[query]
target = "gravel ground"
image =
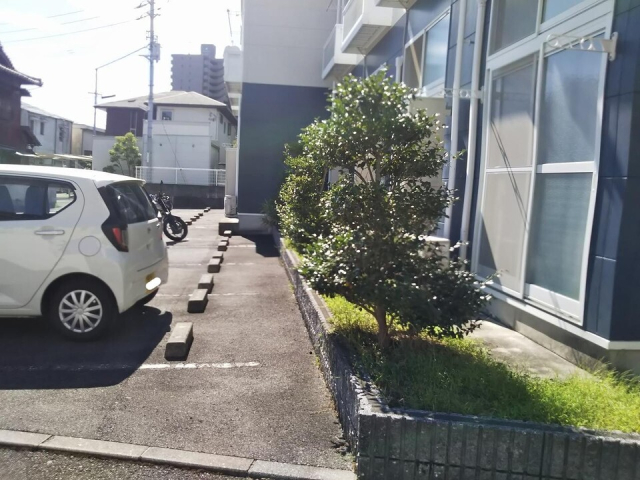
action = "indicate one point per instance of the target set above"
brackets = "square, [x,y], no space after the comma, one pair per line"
[36,465]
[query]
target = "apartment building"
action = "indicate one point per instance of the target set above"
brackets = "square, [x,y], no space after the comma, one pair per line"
[542,98]
[202,73]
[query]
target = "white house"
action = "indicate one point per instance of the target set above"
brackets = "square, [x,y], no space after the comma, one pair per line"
[52,131]
[190,131]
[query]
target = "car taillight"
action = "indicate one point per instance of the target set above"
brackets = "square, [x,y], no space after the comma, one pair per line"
[117,235]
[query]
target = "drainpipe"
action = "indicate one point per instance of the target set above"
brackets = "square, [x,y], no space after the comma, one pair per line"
[455,111]
[473,129]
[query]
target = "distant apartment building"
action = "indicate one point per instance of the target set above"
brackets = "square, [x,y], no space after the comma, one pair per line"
[82,139]
[52,131]
[202,73]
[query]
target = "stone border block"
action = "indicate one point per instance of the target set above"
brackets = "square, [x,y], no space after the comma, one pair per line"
[219,255]
[181,458]
[22,439]
[287,471]
[206,282]
[94,447]
[227,233]
[222,246]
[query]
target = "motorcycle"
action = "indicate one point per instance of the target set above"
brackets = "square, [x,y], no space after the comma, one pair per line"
[173,226]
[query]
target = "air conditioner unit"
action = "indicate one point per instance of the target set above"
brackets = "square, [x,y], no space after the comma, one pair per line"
[230,205]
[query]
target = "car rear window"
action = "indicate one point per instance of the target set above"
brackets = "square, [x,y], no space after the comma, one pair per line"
[132,202]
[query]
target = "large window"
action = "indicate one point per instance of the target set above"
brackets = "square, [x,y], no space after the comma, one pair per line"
[425,59]
[515,20]
[541,144]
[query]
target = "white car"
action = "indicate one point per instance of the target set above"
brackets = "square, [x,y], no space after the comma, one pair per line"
[76,246]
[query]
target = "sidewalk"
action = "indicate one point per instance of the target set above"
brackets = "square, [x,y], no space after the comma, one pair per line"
[515,349]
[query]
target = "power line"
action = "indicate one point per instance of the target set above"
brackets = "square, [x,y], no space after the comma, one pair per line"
[81,20]
[124,56]
[50,16]
[65,14]
[69,33]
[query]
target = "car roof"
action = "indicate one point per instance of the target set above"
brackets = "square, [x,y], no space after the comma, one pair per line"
[99,178]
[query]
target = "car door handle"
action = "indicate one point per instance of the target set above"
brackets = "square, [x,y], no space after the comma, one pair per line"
[49,232]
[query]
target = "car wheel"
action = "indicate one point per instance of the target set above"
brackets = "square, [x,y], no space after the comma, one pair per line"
[82,309]
[147,299]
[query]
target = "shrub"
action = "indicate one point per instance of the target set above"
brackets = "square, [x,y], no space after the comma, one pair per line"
[364,238]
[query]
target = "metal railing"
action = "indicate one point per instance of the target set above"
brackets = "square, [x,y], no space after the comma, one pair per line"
[329,49]
[352,13]
[182,176]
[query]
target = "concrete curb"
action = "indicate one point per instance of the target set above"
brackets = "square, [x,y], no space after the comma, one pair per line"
[246,467]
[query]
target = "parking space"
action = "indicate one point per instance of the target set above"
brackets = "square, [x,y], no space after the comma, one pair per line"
[250,386]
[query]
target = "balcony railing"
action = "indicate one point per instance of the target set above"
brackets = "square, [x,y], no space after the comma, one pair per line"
[365,23]
[396,3]
[182,176]
[334,62]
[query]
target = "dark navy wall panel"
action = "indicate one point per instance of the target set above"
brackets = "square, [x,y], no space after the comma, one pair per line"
[272,115]
[613,304]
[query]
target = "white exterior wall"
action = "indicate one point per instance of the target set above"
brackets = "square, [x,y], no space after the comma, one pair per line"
[283,41]
[50,141]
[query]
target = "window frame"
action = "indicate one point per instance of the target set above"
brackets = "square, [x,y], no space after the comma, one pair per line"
[42,124]
[162,112]
[593,17]
[543,27]
[31,181]
[435,88]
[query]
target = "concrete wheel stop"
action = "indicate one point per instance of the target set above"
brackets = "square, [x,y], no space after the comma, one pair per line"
[179,342]
[222,246]
[206,282]
[198,301]
[227,233]
[219,255]
[214,265]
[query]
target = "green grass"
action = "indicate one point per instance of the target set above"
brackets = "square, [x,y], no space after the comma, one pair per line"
[459,376]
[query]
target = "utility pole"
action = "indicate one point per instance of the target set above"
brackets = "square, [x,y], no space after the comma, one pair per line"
[154,56]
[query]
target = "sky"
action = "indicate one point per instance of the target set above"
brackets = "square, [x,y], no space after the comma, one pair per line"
[66,60]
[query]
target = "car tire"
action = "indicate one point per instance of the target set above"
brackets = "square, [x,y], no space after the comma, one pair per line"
[82,309]
[147,299]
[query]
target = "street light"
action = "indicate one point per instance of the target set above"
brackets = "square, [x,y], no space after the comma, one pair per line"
[95,90]
[95,99]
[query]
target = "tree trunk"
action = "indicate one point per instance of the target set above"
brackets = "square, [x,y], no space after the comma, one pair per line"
[383,329]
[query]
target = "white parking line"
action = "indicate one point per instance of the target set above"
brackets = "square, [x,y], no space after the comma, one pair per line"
[191,366]
[105,367]
[234,294]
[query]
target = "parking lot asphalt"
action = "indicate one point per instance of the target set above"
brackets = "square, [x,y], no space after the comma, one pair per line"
[250,386]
